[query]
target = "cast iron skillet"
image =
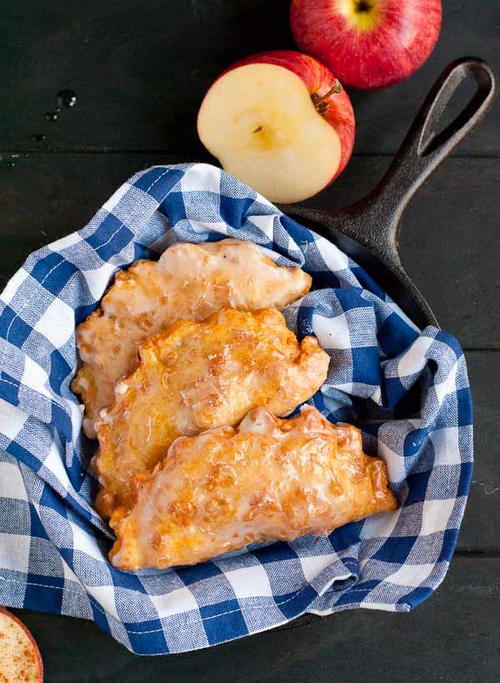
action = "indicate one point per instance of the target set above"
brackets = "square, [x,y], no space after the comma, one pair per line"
[368,229]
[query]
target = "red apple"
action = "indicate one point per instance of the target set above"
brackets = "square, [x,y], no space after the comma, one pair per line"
[279,121]
[20,658]
[367,43]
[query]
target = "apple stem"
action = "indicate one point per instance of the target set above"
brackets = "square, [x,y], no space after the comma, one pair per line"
[320,99]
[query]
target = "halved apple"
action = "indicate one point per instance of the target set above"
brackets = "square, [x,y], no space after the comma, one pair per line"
[20,658]
[270,130]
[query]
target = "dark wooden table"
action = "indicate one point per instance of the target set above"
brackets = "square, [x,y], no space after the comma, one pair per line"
[139,70]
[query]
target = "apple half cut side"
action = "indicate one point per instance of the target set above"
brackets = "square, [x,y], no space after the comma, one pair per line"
[20,658]
[262,124]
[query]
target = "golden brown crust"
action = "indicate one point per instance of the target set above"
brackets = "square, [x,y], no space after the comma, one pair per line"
[199,375]
[268,479]
[189,282]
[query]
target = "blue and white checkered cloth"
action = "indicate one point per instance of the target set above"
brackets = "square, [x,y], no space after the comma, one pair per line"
[53,546]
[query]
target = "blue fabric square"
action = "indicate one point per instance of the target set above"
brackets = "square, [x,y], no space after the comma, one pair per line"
[393,335]
[150,178]
[128,580]
[367,585]
[346,536]
[51,499]
[466,469]
[53,272]
[110,237]
[296,603]
[464,406]
[140,252]
[13,328]
[43,593]
[217,628]
[190,575]
[99,615]
[37,528]
[365,370]
[414,441]
[395,390]
[417,487]
[160,189]
[395,550]
[147,637]
[158,184]
[173,207]
[218,610]
[234,209]
[9,388]
[367,282]
[352,598]
[6,318]
[415,597]
[62,421]
[59,370]
[275,552]
[299,234]
[448,545]
[22,454]
[325,279]
[81,312]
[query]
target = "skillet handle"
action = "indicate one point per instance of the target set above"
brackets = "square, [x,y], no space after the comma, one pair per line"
[375,219]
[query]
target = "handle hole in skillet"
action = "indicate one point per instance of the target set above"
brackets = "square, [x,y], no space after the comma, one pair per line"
[453,116]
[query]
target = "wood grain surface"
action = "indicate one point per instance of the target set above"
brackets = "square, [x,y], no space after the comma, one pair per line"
[453,636]
[139,71]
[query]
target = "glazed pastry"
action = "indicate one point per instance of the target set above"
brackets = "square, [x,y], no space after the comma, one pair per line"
[199,375]
[189,282]
[266,480]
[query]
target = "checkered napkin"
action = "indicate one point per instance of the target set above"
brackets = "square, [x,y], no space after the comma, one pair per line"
[53,546]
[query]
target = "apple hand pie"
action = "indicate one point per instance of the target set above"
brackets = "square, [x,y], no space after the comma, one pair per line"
[199,375]
[268,479]
[189,282]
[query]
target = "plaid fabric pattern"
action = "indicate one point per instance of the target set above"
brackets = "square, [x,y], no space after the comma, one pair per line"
[52,544]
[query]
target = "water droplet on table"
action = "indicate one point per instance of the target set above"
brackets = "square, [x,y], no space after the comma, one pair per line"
[40,137]
[53,115]
[66,98]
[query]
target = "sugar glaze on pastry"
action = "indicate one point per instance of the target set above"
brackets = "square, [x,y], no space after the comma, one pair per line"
[265,480]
